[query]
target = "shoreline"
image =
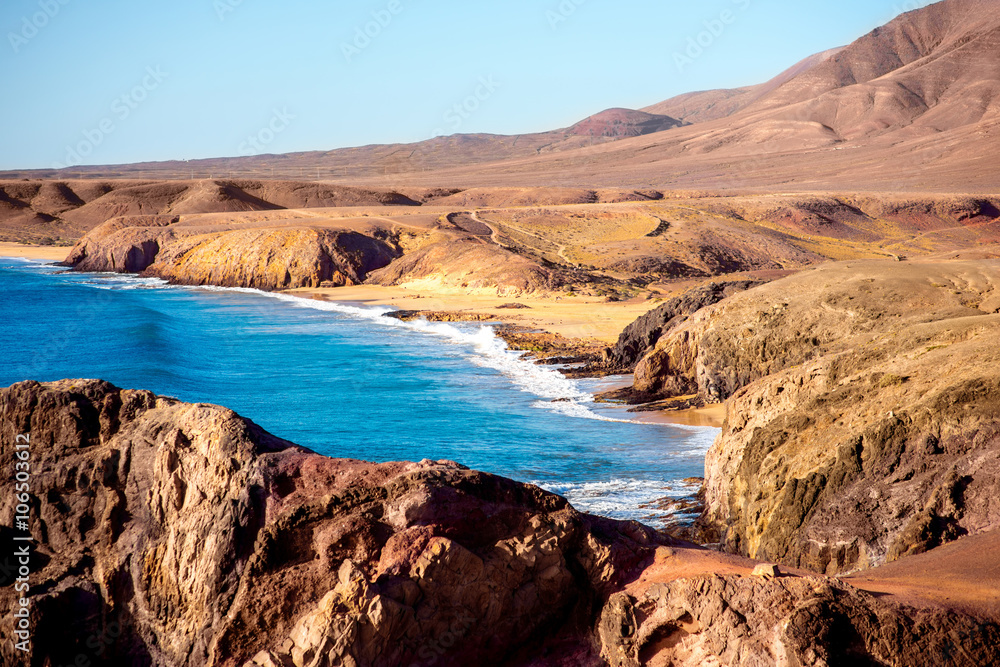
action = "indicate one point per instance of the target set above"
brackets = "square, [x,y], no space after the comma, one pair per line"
[710,416]
[586,318]
[513,374]
[568,318]
[573,319]
[13,250]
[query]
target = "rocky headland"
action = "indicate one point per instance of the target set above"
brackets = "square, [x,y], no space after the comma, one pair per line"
[863,410]
[175,534]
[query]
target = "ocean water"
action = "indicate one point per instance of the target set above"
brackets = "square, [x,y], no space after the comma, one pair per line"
[346,381]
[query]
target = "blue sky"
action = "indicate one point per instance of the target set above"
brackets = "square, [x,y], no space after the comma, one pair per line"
[130,81]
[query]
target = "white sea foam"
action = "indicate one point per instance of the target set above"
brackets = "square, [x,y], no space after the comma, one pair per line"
[563,396]
[623,498]
[126,282]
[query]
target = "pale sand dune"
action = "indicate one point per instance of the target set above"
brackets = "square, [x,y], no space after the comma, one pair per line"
[48,252]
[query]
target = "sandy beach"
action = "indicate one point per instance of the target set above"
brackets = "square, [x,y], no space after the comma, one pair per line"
[710,415]
[47,252]
[573,317]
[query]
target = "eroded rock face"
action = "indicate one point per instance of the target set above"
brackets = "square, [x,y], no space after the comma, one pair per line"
[864,411]
[177,534]
[272,259]
[641,336]
[740,621]
[128,244]
[268,258]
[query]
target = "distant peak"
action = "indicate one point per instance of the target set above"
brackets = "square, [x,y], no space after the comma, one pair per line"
[618,122]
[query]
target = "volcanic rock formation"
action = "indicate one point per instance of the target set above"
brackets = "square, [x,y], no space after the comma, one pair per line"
[864,410]
[174,534]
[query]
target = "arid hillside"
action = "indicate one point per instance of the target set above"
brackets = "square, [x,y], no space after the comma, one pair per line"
[912,106]
[616,244]
[60,212]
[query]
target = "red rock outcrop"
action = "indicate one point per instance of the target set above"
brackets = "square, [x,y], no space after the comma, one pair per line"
[185,535]
[750,621]
[167,533]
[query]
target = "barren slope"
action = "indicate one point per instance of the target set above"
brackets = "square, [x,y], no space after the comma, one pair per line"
[911,106]
[863,400]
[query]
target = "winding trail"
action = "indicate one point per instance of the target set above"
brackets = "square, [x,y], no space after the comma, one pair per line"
[560,248]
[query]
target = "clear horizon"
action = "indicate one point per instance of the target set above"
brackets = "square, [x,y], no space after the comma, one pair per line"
[223,78]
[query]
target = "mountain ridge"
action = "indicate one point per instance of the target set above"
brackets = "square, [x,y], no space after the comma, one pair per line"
[916,102]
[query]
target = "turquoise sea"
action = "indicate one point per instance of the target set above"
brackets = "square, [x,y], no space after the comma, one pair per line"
[346,381]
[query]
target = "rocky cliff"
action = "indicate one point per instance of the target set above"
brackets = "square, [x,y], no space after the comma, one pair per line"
[174,534]
[196,538]
[748,621]
[864,410]
[268,258]
[640,337]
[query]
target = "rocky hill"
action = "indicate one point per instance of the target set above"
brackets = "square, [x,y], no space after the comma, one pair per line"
[621,123]
[63,211]
[863,410]
[173,534]
[911,106]
[615,244]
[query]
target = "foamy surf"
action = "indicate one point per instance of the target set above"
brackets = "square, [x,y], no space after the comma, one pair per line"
[626,499]
[562,395]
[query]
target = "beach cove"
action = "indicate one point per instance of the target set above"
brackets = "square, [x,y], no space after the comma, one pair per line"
[348,382]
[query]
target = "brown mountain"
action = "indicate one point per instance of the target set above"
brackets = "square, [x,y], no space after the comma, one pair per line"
[388,159]
[709,105]
[913,105]
[620,123]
